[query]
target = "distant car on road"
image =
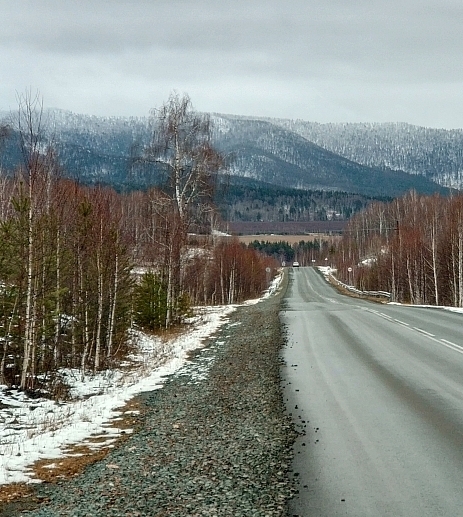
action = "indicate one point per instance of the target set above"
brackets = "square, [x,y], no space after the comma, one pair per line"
[295,264]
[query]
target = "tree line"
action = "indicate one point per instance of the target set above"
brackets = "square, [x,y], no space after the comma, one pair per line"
[307,253]
[80,266]
[411,247]
[247,200]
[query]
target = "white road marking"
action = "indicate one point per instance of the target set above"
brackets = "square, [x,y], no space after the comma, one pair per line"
[455,347]
[424,332]
[442,342]
[450,343]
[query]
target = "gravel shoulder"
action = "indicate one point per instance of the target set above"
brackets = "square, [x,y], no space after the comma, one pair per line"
[214,441]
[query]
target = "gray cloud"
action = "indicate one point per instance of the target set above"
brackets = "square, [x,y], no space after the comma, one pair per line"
[325,60]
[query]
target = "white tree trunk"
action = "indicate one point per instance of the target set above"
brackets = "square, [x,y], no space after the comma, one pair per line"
[28,323]
[112,311]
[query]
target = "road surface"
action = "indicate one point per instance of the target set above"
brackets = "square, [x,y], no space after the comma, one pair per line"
[377,394]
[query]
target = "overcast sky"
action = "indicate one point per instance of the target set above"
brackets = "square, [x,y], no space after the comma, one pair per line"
[318,60]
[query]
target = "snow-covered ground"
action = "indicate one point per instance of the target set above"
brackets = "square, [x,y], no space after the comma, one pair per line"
[442,307]
[35,429]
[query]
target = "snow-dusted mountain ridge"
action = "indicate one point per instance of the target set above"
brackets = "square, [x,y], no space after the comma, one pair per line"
[434,153]
[370,159]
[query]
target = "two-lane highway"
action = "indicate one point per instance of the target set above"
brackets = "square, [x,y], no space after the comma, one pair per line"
[377,393]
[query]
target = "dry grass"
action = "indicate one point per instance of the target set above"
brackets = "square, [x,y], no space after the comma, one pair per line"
[76,457]
[50,471]
[14,491]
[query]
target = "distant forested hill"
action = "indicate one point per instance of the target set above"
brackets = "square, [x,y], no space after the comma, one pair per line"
[436,154]
[360,160]
[247,200]
[266,151]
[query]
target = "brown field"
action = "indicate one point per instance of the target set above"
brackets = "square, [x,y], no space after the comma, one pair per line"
[291,239]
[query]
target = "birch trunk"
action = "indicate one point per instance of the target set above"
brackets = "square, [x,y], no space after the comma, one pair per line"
[28,335]
[112,311]
[99,318]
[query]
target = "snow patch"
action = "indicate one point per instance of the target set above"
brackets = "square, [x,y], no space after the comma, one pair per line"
[34,429]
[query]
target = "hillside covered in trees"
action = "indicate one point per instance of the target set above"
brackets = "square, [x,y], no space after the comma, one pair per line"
[436,154]
[265,150]
[283,153]
[243,199]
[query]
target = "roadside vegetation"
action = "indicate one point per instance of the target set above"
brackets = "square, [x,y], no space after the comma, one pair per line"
[411,247]
[80,266]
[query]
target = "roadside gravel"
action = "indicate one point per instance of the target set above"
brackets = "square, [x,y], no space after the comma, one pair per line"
[214,441]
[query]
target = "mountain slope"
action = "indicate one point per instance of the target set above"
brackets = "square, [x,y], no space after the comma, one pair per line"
[245,199]
[267,152]
[98,149]
[436,154]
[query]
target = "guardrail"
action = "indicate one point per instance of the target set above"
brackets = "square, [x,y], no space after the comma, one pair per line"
[351,288]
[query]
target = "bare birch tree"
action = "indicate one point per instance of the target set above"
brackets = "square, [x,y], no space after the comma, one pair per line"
[30,132]
[182,150]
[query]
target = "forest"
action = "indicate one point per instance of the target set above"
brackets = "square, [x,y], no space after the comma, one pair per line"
[243,199]
[411,247]
[307,252]
[80,266]
[431,152]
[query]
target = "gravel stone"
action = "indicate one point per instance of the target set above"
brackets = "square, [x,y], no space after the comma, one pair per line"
[214,441]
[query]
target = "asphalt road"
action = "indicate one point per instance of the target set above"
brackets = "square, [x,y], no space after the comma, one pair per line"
[377,393]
